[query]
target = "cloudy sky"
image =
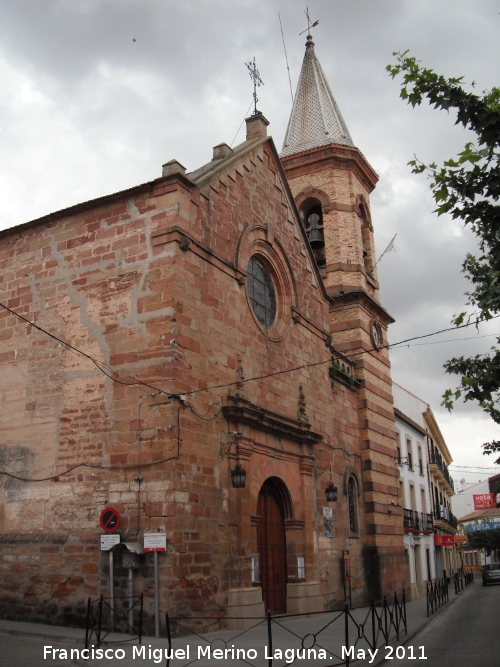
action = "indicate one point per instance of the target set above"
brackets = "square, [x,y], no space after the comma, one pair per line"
[97,94]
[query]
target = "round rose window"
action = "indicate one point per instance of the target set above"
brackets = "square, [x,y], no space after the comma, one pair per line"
[261,292]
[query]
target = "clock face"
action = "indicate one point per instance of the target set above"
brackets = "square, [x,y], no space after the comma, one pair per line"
[375,334]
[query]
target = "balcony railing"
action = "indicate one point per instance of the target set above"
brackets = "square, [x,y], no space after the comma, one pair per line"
[436,459]
[408,519]
[419,521]
[444,514]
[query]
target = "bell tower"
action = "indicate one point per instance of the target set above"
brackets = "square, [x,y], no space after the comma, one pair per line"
[331,182]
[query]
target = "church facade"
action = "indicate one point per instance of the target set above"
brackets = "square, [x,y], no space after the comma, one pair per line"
[205,354]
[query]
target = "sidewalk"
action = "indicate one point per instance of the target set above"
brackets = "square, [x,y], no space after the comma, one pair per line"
[318,631]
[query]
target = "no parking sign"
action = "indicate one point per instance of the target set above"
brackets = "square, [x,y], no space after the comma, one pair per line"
[110,519]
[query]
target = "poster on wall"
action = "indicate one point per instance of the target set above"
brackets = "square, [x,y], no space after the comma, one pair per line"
[328,521]
[484,501]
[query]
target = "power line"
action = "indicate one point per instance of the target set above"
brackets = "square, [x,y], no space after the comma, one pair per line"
[452,340]
[113,375]
[232,142]
[85,465]
[457,467]
[286,57]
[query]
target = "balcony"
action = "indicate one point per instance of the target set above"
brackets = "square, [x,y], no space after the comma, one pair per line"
[439,468]
[417,522]
[444,519]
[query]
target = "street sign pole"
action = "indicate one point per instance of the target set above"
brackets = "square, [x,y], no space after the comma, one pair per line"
[131,594]
[157,596]
[111,589]
[107,542]
[156,542]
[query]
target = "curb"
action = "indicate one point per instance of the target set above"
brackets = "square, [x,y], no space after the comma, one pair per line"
[40,635]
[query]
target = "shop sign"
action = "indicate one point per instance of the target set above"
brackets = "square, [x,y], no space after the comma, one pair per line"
[444,540]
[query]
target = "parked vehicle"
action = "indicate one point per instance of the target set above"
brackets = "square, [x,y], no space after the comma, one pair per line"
[491,573]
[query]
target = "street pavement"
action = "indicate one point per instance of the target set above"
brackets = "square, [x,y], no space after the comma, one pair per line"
[465,631]
[466,635]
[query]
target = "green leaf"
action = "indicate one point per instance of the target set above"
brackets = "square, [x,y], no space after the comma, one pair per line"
[467,187]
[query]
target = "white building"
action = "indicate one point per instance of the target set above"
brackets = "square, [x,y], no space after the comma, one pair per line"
[415,494]
[462,502]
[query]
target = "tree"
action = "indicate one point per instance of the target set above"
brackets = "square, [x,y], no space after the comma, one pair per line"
[467,188]
[485,539]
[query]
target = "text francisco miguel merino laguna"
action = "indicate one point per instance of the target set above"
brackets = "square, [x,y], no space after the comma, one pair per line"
[157,655]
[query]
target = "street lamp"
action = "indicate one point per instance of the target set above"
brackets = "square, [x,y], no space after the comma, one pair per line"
[238,477]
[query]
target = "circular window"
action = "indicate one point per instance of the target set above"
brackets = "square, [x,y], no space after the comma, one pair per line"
[261,292]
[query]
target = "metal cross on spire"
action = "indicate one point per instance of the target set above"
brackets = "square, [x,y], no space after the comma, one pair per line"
[309,23]
[257,81]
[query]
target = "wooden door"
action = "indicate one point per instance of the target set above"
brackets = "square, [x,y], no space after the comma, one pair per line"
[271,546]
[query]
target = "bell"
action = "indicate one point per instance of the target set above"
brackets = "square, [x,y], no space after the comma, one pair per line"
[313,234]
[315,239]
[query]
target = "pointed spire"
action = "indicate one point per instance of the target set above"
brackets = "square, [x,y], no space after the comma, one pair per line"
[315,119]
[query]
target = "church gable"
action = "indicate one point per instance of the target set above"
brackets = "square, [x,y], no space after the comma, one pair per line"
[248,191]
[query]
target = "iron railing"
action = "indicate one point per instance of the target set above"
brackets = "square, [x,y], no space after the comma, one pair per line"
[437,595]
[105,616]
[408,519]
[462,580]
[338,634]
[420,521]
[443,513]
[436,458]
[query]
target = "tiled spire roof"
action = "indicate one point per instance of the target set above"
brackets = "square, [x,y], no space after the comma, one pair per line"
[315,119]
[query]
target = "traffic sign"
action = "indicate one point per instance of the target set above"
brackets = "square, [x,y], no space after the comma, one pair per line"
[110,519]
[155,541]
[108,541]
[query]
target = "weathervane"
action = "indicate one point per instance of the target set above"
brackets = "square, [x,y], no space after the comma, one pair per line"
[257,81]
[309,24]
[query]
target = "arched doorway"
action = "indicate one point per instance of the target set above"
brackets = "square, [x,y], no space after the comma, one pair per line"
[273,506]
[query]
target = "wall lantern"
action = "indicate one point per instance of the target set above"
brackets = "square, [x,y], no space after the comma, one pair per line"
[238,477]
[331,493]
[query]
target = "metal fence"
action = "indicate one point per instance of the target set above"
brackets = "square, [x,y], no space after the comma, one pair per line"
[118,614]
[326,638]
[462,580]
[437,595]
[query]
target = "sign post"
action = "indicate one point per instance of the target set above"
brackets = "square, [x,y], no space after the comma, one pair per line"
[347,576]
[156,542]
[108,541]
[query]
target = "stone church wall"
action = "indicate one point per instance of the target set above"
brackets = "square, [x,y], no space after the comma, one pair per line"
[150,285]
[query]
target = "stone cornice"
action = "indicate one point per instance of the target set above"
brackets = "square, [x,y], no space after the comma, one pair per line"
[359,294]
[327,156]
[244,412]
